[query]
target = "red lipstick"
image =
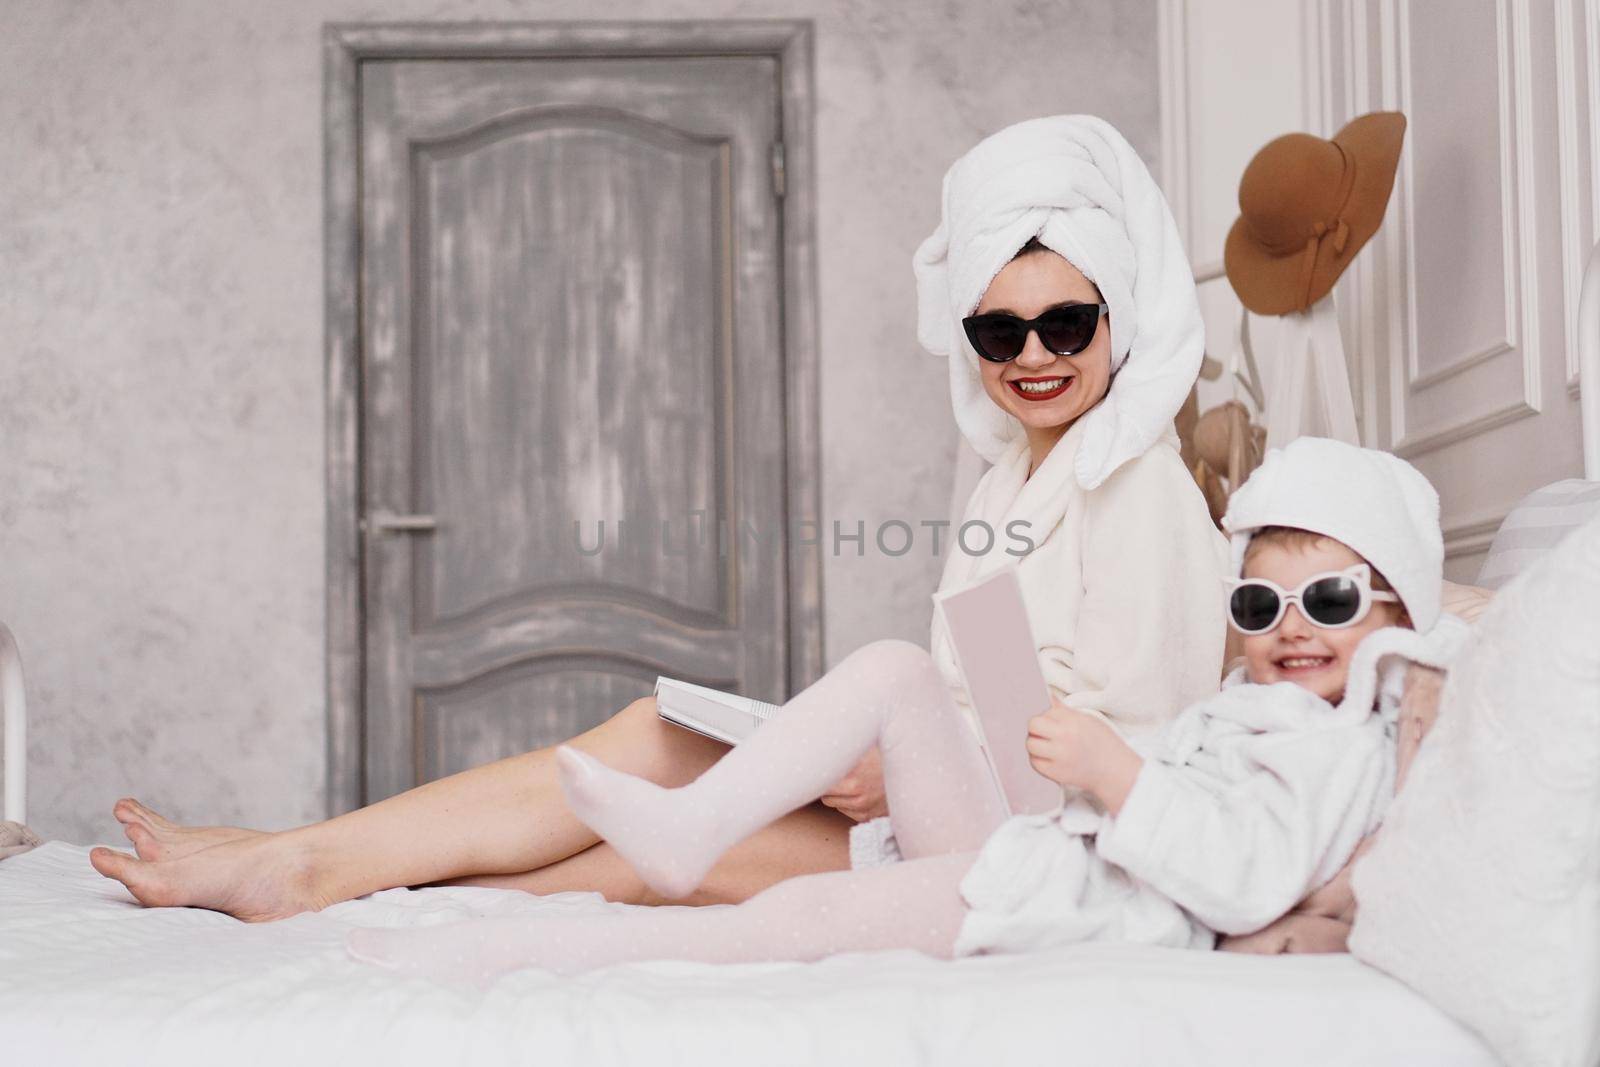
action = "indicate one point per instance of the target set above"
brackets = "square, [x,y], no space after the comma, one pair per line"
[1017,390]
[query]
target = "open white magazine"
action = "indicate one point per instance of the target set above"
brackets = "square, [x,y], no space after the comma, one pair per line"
[725,717]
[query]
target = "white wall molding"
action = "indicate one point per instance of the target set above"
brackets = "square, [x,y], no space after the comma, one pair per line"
[1393,310]
[1510,217]
[1458,430]
[1577,81]
[1172,22]
[1361,293]
[1473,534]
[1591,87]
[1315,40]
[1519,224]
[1460,364]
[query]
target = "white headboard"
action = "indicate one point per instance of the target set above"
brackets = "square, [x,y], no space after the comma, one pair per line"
[1589,365]
[15,713]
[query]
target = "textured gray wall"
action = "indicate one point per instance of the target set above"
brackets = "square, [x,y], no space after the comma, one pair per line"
[161,402]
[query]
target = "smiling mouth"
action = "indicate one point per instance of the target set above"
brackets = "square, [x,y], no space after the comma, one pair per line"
[1303,664]
[1039,388]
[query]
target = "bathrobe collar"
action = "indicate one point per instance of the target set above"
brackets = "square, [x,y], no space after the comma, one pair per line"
[1007,495]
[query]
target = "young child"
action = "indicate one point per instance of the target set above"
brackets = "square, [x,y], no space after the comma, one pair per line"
[1248,801]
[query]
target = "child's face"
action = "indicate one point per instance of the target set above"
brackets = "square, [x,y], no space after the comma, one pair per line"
[1299,651]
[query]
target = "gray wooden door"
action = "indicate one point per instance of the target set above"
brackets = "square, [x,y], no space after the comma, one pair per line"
[571,315]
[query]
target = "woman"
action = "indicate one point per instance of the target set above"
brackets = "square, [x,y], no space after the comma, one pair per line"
[1074,409]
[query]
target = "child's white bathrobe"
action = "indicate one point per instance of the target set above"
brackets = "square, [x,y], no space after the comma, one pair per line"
[1247,802]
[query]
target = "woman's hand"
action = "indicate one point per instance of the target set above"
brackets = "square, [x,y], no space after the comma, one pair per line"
[860,793]
[1082,751]
[1321,922]
[1335,899]
[1295,933]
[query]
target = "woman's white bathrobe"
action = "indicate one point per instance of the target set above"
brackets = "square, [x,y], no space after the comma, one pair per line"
[1124,588]
[1124,584]
[1247,802]
[1123,591]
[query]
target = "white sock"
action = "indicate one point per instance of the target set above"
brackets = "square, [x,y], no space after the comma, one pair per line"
[890,694]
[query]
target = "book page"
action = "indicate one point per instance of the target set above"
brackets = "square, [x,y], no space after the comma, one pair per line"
[723,716]
[999,662]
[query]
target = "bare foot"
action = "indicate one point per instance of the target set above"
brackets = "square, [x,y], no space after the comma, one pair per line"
[157,838]
[257,879]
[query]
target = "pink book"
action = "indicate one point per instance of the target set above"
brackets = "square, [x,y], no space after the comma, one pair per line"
[999,662]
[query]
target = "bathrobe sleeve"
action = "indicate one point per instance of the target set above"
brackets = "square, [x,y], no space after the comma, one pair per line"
[1150,631]
[1238,853]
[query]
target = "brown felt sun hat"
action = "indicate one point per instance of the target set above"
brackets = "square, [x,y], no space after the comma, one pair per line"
[1307,206]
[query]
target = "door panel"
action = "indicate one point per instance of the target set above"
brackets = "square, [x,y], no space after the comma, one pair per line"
[541,453]
[462,726]
[571,312]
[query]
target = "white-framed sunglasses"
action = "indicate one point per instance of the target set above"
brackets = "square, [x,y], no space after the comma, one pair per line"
[1332,600]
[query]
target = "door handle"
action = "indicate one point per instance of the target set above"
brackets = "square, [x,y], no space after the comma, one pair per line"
[388,522]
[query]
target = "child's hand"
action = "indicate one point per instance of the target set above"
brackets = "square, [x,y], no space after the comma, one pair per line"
[1063,743]
[1082,751]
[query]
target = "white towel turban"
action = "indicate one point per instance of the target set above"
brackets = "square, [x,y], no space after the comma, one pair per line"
[1076,184]
[1377,504]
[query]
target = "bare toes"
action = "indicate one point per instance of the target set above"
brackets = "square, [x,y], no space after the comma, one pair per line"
[144,842]
[137,875]
[152,818]
[106,861]
[127,810]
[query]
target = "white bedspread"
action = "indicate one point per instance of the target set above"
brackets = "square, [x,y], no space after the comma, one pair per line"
[88,977]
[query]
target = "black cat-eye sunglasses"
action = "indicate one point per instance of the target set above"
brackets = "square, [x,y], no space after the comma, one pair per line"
[999,337]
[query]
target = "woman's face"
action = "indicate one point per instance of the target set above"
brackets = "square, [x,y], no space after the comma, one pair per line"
[1030,285]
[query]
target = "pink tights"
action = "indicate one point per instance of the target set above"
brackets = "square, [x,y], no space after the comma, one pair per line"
[942,805]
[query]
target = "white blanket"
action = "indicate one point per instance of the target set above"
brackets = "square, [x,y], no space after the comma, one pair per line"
[87,977]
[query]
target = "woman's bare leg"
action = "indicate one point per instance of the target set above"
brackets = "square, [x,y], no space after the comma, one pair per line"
[788,848]
[807,841]
[506,817]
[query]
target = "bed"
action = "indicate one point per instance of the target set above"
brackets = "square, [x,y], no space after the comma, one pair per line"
[89,977]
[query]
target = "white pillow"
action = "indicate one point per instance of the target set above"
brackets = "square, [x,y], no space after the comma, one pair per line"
[1483,889]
